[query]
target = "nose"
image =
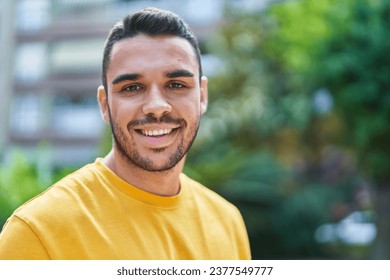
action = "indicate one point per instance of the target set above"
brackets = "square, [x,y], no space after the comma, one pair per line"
[156,103]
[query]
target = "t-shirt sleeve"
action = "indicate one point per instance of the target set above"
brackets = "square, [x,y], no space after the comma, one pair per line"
[19,242]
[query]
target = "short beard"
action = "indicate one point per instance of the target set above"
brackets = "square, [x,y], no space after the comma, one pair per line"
[129,152]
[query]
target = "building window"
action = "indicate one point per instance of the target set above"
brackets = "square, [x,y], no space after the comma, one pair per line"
[76,116]
[30,62]
[26,117]
[76,56]
[33,15]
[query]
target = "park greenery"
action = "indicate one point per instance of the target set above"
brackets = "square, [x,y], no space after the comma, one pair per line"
[295,134]
[298,121]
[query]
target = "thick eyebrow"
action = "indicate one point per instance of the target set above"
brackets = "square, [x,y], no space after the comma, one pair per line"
[126,77]
[135,76]
[179,73]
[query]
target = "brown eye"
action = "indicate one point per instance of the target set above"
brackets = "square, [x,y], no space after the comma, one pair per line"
[132,88]
[176,85]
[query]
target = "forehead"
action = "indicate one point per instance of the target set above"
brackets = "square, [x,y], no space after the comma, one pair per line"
[143,52]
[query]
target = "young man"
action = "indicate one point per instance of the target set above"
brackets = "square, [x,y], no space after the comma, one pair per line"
[135,203]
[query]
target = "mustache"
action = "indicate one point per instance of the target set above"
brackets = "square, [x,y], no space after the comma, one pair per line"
[153,120]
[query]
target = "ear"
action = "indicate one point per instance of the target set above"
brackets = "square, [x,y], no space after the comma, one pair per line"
[103,104]
[204,95]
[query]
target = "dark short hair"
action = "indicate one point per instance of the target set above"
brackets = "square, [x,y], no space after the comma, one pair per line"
[151,22]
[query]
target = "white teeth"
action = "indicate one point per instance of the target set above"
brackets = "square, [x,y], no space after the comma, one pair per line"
[156,132]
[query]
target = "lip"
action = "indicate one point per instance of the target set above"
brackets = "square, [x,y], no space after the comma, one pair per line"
[155,127]
[156,142]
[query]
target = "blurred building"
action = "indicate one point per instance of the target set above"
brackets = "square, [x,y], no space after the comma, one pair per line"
[51,53]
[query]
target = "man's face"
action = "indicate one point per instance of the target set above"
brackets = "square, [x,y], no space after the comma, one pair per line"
[154,100]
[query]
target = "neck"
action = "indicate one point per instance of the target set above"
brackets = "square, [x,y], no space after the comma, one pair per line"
[164,183]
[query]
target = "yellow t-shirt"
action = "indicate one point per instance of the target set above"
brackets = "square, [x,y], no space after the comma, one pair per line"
[94,214]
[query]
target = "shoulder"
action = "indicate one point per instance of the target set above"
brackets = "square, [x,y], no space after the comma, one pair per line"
[209,198]
[219,212]
[61,195]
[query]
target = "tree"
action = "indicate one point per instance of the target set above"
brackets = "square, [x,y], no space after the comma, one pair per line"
[276,62]
[354,65]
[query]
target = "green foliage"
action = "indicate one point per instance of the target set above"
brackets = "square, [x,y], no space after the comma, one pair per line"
[263,144]
[106,141]
[360,83]
[18,183]
[342,46]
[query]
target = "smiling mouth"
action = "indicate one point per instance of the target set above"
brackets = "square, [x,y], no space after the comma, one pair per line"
[155,132]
